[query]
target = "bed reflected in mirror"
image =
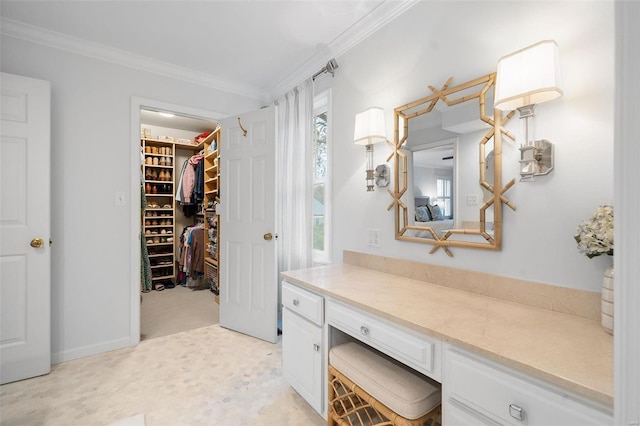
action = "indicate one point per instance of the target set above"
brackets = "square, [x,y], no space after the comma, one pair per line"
[432,169]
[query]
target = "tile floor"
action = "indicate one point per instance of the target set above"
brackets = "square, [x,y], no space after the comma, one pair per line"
[205,376]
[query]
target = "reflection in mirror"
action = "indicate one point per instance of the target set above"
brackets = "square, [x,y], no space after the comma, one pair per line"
[442,194]
[431,194]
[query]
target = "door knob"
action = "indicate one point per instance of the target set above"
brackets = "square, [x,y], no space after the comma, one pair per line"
[37,242]
[267,236]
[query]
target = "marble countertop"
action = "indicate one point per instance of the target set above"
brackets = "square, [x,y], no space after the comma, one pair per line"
[569,351]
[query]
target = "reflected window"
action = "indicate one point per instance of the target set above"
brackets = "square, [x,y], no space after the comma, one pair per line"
[443,196]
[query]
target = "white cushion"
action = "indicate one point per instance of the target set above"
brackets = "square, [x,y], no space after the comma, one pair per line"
[405,392]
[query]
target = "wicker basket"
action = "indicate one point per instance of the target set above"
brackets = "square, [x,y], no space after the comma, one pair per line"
[350,405]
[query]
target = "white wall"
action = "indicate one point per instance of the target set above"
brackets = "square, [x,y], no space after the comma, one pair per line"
[436,40]
[91,150]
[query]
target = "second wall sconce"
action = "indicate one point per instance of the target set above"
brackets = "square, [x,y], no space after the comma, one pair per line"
[525,78]
[369,130]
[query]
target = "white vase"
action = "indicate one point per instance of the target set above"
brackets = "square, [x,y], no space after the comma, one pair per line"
[606,305]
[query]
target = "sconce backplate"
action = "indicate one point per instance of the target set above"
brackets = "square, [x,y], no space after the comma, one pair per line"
[536,159]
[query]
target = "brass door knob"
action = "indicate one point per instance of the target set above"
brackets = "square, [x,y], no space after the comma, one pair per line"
[268,236]
[37,242]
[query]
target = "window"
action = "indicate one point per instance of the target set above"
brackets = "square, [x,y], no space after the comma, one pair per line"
[443,196]
[321,179]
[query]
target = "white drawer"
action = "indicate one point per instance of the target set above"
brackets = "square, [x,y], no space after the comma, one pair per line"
[303,302]
[409,347]
[512,398]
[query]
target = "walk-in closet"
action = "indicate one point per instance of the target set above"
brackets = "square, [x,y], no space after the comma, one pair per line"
[179,225]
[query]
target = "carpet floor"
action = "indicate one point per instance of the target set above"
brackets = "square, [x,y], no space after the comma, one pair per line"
[176,309]
[205,376]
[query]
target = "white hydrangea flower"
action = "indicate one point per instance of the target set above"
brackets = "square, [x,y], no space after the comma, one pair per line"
[595,235]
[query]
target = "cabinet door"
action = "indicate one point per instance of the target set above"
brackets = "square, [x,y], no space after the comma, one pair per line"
[302,357]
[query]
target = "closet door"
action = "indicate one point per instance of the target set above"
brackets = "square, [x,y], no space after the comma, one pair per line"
[248,271]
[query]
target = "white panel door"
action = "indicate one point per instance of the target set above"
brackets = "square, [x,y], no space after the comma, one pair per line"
[248,262]
[25,312]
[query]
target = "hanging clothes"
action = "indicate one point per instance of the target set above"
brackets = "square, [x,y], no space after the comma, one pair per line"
[191,256]
[179,193]
[190,190]
[189,178]
[145,265]
[198,187]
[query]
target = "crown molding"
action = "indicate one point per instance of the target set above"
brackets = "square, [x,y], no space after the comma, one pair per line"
[382,14]
[56,40]
[377,18]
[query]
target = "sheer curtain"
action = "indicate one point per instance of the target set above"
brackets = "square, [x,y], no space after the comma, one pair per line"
[294,178]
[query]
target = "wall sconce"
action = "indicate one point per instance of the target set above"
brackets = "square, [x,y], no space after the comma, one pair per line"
[369,130]
[525,78]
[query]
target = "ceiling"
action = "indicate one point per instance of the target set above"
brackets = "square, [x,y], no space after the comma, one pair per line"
[255,48]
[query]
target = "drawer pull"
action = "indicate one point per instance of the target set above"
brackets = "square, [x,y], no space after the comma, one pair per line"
[364,331]
[316,347]
[296,302]
[516,412]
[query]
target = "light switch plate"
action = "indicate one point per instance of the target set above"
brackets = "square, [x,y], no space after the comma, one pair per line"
[119,199]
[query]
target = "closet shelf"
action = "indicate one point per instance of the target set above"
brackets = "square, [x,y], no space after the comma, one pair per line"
[159,142]
[189,146]
[211,191]
[158,166]
[163,277]
[159,226]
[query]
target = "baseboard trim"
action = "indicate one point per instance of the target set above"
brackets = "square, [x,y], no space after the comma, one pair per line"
[89,350]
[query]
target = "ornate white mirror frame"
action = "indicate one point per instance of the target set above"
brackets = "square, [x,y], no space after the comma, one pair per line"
[484,238]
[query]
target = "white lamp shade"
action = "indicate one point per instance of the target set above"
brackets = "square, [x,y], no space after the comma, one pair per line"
[529,76]
[370,128]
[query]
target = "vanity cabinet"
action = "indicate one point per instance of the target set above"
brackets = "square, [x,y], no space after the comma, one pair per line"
[303,344]
[479,391]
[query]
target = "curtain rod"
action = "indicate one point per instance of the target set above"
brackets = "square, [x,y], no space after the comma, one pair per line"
[329,68]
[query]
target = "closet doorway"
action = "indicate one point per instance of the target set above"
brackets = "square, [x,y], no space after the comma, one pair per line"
[176,295]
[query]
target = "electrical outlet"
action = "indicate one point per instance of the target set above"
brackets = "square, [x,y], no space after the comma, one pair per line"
[472,200]
[374,237]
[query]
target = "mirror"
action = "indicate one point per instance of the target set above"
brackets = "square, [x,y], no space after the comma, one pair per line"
[447,166]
